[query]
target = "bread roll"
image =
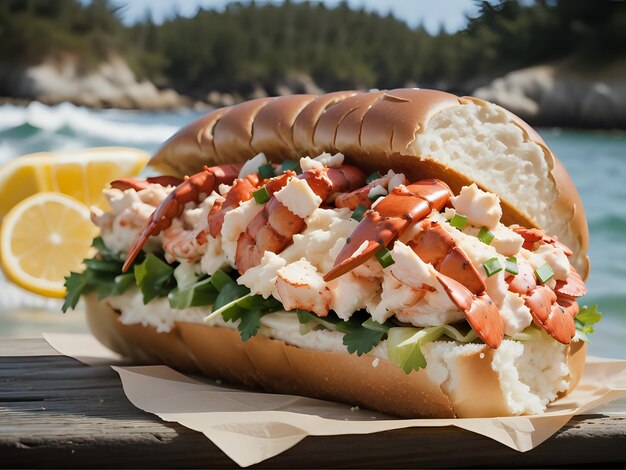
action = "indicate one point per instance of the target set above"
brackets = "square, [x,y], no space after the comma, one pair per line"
[423,134]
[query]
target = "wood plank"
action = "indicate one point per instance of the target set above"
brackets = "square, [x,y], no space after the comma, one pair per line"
[55,412]
[25,347]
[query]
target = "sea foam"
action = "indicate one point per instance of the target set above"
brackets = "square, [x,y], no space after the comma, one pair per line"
[120,127]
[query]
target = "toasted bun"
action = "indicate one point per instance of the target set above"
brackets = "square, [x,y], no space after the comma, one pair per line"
[475,389]
[423,133]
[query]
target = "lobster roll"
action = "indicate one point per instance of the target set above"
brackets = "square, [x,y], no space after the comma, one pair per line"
[408,251]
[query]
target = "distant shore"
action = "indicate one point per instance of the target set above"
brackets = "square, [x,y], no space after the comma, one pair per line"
[545,95]
[563,96]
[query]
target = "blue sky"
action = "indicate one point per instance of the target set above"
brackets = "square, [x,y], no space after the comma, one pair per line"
[450,13]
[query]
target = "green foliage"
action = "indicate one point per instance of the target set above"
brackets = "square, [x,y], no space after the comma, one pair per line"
[32,30]
[359,336]
[103,274]
[586,318]
[154,277]
[235,302]
[249,44]
[198,294]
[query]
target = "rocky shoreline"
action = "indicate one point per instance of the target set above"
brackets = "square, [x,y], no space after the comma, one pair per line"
[546,95]
[559,95]
[112,84]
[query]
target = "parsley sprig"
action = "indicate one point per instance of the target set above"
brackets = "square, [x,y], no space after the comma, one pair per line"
[103,274]
[360,336]
[236,303]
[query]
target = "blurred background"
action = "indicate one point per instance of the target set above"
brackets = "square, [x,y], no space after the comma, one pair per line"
[80,73]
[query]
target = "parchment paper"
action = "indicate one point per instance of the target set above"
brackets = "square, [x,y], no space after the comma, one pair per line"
[251,427]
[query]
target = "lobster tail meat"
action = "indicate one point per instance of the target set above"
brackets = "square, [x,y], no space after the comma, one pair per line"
[274,227]
[573,286]
[240,191]
[551,310]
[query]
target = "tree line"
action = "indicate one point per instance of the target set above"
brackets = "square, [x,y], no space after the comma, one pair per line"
[248,44]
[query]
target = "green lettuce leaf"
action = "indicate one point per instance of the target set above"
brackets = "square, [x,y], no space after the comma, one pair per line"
[586,318]
[76,284]
[154,277]
[200,293]
[362,340]
[120,284]
[404,344]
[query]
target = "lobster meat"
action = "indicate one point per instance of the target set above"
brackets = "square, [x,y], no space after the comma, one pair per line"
[173,205]
[274,227]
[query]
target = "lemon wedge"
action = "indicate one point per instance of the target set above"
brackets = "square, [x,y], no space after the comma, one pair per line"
[81,174]
[42,239]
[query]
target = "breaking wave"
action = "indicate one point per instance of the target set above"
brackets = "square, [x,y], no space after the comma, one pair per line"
[53,126]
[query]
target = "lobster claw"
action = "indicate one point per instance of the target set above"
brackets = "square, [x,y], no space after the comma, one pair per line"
[479,310]
[403,207]
[173,205]
[549,315]
[131,183]
[360,247]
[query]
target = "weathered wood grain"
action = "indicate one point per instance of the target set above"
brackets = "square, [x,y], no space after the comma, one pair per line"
[56,412]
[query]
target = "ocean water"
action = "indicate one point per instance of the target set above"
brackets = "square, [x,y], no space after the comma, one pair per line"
[596,161]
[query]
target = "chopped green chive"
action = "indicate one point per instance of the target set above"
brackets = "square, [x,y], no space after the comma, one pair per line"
[492,266]
[384,257]
[486,236]
[374,197]
[510,266]
[358,213]
[372,177]
[266,171]
[458,221]
[544,273]
[289,165]
[261,196]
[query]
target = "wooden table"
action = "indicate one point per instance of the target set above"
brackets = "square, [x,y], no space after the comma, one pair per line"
[56,412]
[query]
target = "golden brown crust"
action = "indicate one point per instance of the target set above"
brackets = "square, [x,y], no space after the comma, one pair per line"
[577,356]
[190,148]
[232,135]
[280,368]
[273,365]
[305,125]
[272,131]
[343,119]
[481,396]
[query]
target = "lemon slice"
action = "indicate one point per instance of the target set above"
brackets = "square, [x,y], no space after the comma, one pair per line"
[42,239]
[81,174]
